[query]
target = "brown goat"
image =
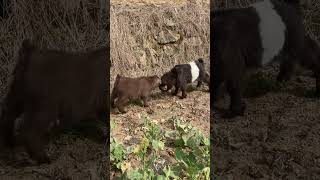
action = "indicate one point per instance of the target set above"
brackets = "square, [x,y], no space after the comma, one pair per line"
[126,89]
[49,85]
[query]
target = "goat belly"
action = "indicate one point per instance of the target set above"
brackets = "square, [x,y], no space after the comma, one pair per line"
[272,30]
[194,71]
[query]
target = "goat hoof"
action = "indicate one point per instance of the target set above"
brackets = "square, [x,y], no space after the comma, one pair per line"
[235,112]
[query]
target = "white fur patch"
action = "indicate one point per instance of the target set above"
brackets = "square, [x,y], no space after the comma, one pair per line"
[194,71]
[272,30]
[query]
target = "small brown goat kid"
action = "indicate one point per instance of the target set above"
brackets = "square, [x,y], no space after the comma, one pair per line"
[49,85]
[126,89]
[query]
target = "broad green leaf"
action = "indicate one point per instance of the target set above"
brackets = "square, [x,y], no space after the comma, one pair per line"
[157,145]
[161,177]
[181,156]
[179,143]
[170,134]
[134,175]
[185,138]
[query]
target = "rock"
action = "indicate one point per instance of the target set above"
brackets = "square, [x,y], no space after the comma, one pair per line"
[169,23]
[167,37]
[141,56]
[151,54]
[128,138]
[170,50]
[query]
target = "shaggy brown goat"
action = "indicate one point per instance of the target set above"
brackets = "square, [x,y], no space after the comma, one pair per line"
[126,89]
[49,85]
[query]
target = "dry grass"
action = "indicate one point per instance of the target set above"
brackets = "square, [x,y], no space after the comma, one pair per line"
[135,50]
[143,2]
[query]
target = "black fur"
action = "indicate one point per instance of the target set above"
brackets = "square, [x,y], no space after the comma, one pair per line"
[237,46]
[180,75]
[311,59]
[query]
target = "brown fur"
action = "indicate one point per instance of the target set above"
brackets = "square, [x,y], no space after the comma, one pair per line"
[126,89]
[50,85]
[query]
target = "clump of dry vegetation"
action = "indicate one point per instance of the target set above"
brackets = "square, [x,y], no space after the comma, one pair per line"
[149,39]
[73,25]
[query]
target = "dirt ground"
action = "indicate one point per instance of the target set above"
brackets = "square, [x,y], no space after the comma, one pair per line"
[72,157]
[143,2]
[194,110]
[277,138]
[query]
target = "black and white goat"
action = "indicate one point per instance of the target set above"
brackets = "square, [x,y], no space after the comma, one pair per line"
[182,74]
[252,37]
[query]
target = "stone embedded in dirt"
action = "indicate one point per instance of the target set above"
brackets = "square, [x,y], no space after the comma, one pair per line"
[180,105]
[155,121]
[297,168]
[127,138]
[169,22]
[139,115]
[150,111]
[170,50]
[167,37]
[237,145]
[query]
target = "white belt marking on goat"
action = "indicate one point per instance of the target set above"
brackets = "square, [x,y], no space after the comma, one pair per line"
[194,71]
[272,30]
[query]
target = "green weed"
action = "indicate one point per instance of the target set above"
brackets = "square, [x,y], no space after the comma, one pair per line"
[191,153]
